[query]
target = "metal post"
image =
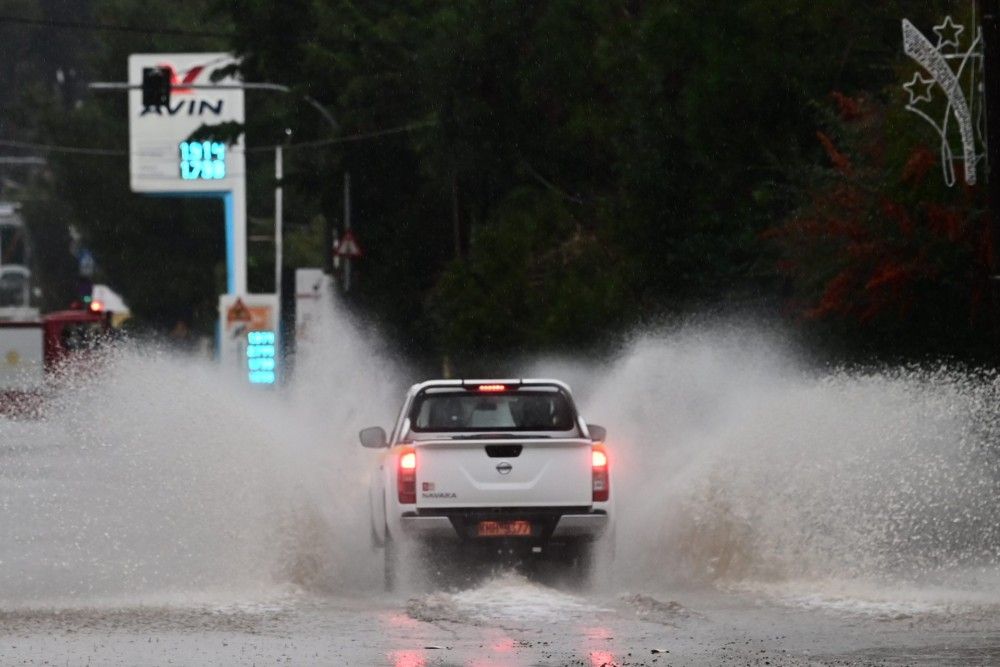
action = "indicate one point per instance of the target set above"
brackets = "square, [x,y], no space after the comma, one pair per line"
[279,174]
[989,11]
[347,228]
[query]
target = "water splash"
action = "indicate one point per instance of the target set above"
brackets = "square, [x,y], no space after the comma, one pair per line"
[160,478]
[737,464]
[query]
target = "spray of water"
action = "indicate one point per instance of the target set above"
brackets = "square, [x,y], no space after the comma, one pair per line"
[159,478]
[740,466]
[162,479]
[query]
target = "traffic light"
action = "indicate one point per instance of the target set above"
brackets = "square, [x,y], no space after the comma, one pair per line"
[155,86]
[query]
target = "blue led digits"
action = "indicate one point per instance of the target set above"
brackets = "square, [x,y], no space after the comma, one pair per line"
[261,362]
[203,160]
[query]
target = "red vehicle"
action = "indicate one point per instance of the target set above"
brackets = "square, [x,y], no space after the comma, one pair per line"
[34,353]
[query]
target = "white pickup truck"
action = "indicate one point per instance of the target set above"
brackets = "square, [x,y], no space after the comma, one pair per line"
[491,465]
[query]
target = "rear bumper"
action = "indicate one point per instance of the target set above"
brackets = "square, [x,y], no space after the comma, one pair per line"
[548,524]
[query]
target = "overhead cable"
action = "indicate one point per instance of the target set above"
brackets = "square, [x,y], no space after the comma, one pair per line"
[82,25]
[318,143]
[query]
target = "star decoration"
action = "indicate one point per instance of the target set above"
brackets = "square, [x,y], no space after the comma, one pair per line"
[948,32]
[919,88]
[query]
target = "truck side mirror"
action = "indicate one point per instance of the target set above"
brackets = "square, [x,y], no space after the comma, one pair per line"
[597,433]
[373,437]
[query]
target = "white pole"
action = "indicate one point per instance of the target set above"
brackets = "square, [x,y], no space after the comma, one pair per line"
[237,223]
[347,228]
[279,173]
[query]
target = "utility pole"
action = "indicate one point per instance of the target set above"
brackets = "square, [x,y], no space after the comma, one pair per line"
[279,174]
[989,12]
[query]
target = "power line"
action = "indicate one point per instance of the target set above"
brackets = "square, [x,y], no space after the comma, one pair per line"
[30,160]
[81,25]
[318,143]
[345,139]
[54,148]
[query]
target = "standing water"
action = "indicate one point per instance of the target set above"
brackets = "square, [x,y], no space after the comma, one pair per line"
[161,480]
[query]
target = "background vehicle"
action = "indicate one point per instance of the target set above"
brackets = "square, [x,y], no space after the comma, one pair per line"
[492,465]
[15,271]
[31,353]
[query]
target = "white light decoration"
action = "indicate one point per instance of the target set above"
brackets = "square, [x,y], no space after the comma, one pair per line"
[957,71]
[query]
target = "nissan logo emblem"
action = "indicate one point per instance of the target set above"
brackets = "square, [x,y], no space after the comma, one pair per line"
[504,468]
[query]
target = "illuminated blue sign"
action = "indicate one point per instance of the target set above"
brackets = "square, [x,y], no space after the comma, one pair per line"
[203,160]
[261,358]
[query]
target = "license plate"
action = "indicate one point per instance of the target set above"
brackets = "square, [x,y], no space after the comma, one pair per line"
[518,528]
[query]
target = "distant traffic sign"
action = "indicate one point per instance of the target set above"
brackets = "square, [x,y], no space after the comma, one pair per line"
[238,312]
[349,246]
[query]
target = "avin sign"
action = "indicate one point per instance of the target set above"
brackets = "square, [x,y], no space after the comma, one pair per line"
[162,158]
[158,136]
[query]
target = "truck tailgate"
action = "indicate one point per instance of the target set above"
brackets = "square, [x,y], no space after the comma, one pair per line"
[503,473]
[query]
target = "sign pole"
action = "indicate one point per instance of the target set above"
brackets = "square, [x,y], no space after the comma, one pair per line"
[235,204]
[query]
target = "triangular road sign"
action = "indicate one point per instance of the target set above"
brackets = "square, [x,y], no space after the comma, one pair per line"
[238,312]
[349,246]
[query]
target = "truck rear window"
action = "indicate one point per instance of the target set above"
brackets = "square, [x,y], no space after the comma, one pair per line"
[452,410]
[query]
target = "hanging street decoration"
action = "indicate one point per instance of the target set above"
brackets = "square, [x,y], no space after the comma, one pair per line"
[953,71]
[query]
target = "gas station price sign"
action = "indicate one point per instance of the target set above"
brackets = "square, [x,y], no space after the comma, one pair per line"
[202,160]
[261,357]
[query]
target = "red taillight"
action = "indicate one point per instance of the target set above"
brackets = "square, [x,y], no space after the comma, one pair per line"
[599,459]
[408,461]
[492,387]
[601,480]
[406,476]
[96,306]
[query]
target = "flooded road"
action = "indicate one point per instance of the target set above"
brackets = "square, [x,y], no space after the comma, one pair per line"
[505,621]
[769,513]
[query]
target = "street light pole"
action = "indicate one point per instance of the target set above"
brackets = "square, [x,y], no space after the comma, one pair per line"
[278,229]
